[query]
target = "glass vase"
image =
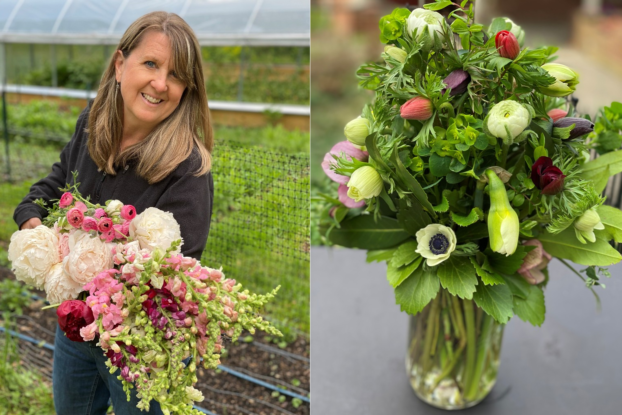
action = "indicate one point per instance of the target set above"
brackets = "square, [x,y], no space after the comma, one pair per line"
[453,352]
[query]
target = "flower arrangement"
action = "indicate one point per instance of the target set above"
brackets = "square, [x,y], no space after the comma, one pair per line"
[467,173]
[149,306]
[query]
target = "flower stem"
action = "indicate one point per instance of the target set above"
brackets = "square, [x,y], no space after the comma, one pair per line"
[51,306]
[470,392]
[504,154]
[471,345]
[429,334]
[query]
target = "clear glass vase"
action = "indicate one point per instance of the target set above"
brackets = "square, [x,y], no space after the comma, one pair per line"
[453,352]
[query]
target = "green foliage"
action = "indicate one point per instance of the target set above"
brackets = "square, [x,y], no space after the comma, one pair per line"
[14,296]
[457,276]
[532,308]
[565,245]
[495,300]
[364,232]
[417,290]
[607,135]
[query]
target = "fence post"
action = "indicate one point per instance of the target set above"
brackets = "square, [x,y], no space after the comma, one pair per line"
[54,71]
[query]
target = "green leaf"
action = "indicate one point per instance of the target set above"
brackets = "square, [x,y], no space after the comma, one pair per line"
[481,142]
[457,275]
[365,233]
[508,264]
[518,285]
[374,153]
[405,254]
[396,275]
[488,277]
[565,245]
[599,170]
[443,207]
[612,219]
[438,5]
[412,184]
[474,232]
[496,301]
[380,255]
[498,24]
[500,62]
[412,218]
[531,309]
[417,291]
[475,215]
[439,166]
[459,27]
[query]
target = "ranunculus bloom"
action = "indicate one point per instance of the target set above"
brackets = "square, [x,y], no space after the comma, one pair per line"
[581,126]
[557,114]
[584,225]
[105,225]
[89,224]
[65,200]
[365,183]
[113,207]
[75,217]
[457,82]
[100,213]
[534,262]
[435,243]
[32,253]
[344,149]
[73,315]
[507,119]
[357,130]
[346,200]
[507,44]
[81,206]
[417,108]
[422,20]
[548,178]
[128,212]
[503,224]
[155,228]
[87,257]
[566,80]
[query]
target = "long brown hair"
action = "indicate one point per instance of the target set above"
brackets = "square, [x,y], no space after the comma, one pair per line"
[171,141]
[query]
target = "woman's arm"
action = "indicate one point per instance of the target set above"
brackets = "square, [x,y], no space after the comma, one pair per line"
[48,187]
[189,199]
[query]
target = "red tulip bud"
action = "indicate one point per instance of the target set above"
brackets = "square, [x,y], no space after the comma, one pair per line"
[507,45]
[418,108]
[557,113]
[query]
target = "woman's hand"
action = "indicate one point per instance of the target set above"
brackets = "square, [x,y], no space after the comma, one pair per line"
[31,223]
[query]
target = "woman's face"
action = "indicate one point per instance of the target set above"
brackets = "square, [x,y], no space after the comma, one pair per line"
[147,74]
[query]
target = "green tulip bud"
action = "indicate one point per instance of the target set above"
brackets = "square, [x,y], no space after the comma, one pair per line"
[365,183]
[507,120]
[396,53]
[584,226]
[357,130]
[565,83]
[503,224]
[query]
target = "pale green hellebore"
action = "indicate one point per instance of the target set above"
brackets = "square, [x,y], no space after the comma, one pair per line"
[503,224]
[364,183]
[357,130]
[566,80]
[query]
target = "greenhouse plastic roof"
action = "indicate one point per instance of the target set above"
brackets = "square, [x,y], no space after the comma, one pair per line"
[215,22]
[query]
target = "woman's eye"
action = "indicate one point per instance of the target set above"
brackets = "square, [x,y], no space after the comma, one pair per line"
[150,62]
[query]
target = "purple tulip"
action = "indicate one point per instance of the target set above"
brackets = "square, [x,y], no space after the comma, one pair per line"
[457,81]
[582,126]
[346,149]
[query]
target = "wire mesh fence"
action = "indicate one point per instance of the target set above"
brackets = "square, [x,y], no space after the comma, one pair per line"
[260,223]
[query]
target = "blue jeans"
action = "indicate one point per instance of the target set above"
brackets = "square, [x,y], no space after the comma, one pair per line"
[83,384]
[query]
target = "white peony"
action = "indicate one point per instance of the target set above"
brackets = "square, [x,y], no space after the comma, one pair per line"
[194,394]
[113,207]
[33,252]
[421,19]
[87,257]
[435,243]
[59,286]
[155,228]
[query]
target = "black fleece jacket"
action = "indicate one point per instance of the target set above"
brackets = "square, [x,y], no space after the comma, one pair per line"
[187,197]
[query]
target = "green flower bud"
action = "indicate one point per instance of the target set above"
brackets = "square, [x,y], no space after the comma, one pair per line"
[566,80]
[396,53]
[357,130]
[507,120]
[585,225]
[365,183]
[503,224]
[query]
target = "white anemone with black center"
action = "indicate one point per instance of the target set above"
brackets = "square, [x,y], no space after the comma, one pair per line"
[435,243]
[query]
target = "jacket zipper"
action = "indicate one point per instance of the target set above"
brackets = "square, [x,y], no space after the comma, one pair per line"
[99,187]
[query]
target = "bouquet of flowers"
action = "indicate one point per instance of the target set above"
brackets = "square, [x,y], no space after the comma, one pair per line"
[150,307]
[467,173]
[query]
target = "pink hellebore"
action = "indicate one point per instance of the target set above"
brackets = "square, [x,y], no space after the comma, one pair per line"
[347,200]
[348,151]
[65,200]
[534,262]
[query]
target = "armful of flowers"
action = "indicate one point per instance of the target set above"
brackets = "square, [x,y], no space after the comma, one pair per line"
[150,307]
[470,170]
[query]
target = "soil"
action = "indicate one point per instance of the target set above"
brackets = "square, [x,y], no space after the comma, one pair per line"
[225,394]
